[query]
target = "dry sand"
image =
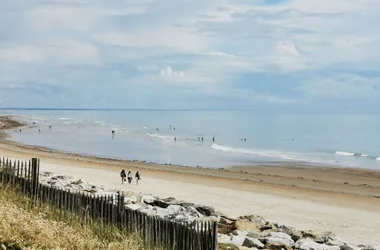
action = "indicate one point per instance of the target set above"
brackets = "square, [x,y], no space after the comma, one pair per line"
[341,200]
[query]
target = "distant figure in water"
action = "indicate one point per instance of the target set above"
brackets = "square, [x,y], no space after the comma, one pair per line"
[245,139]
[175,138]
[129,176]
[170,127]
[213,139]
[157,129]
[39,131]
[122,175]
[138,177]
[202,138]
[20,131]
[173,128]
[113,132]
[50,126]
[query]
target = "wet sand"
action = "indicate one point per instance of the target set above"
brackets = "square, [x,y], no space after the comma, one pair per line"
[343,200]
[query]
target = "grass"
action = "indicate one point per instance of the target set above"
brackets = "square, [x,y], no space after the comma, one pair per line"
[24,227]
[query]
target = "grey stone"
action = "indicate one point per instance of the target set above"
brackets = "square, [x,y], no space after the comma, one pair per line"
[251,242]
[205,210]
[288,230]
[309,244]
[319,237]
[334,241]
[278,237]
[366,247]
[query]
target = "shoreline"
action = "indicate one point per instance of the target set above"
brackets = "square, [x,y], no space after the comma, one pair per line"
[343,200]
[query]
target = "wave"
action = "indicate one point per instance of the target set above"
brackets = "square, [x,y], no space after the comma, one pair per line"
[160,136]
[355,154]
[264,153]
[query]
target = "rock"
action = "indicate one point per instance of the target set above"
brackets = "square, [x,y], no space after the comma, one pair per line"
[278,237]
[277,246]
[205,210]
[297,235]
[366,247]
[240,233]
[255,233]
[268,226]
[251,242]
[237,240]
[319,237]
[288,230]
[334,241]
[133,206]
[148,199]
[250,222]
[186,204]
[175,209]
[130,200]
[226,228]
[193,212]
[309,244]
[77,182]
[227,246]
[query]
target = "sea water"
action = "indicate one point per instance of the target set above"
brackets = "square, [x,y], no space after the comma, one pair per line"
[349,140]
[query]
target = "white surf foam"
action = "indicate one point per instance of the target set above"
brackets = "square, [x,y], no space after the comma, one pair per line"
[160,136]
[265,153]
[342,153]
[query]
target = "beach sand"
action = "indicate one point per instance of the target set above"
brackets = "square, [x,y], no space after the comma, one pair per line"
[344,201]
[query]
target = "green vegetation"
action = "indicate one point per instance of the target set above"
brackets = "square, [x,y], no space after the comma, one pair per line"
[44,227]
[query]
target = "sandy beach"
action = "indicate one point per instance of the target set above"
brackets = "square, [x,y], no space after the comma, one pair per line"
[344,201]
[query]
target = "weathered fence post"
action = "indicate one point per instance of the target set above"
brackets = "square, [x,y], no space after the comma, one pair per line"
[34,181]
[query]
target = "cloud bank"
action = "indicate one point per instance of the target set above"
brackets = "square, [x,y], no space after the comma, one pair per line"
[266,54]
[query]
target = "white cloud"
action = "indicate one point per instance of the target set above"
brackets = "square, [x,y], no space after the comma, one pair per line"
[198,44]
[168,72]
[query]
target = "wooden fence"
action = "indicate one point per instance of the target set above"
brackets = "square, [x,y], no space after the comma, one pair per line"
[108,211]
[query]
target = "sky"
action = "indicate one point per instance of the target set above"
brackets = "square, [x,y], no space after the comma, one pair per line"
[284,55]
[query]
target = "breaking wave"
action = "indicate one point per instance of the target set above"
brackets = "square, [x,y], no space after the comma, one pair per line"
[355,154]
[264,153]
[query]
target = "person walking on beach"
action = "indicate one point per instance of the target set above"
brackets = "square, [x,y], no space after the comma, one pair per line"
[213,139]
[122,175]
[137,176]
[129,177]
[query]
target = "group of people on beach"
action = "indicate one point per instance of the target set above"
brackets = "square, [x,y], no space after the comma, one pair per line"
[129,176]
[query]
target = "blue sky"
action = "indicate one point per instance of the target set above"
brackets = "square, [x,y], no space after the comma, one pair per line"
[301,55]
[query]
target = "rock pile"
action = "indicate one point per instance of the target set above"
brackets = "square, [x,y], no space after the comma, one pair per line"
[245,232]
[253,232]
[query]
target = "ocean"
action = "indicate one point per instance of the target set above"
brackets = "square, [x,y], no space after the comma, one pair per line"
[171,136]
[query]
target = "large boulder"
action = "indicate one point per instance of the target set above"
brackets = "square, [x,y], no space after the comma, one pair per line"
[277,237]
[251,242]
[366,247]
[226,226]
[309,244]
[240,233]
[250,222]
[334,241]
[319,237]
[277,246]
[285,229]
[205,210]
